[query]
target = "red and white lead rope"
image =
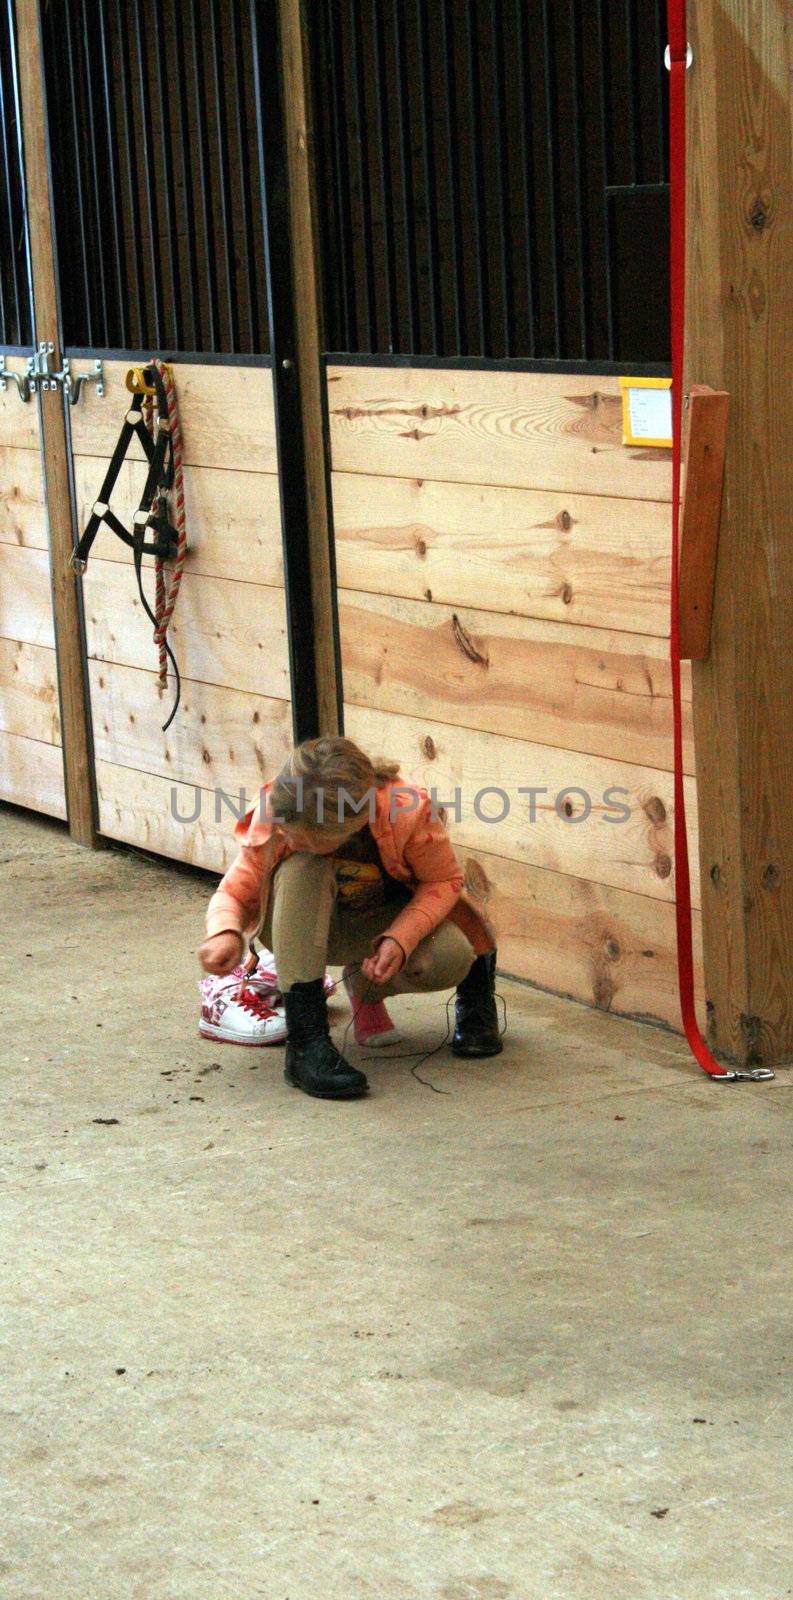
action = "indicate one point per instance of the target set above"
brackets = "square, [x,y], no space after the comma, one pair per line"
[677,61]
[167,592]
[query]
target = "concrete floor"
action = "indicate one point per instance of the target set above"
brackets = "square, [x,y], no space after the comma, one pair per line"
[523,1339]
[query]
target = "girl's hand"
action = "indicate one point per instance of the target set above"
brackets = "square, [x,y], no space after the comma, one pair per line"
[221,953]
[386,962]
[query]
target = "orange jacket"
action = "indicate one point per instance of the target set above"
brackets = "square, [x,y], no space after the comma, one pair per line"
[413,846]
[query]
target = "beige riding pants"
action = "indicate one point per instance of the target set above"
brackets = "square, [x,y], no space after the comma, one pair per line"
[307,929]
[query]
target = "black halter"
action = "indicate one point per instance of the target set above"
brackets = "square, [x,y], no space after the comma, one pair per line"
[152,513]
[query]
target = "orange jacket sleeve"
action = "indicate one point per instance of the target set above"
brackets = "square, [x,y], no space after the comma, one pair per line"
[236,904]
[439,880]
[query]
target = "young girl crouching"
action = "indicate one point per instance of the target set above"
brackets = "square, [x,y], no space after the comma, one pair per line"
[342,863]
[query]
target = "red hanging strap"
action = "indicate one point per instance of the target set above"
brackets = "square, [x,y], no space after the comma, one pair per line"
[677,62]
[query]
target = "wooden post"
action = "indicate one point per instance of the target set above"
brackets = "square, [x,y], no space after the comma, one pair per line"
[308,326]
[66,615]
[739,316]
[705,449]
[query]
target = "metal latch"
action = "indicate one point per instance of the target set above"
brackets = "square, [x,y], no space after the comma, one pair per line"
[21,379]
[41,374]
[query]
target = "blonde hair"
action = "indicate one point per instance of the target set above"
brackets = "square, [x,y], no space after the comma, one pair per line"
[311,788]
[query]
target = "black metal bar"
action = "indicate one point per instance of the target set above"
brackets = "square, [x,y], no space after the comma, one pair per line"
[582,220]
[501,153]
[327,153]
[73,77]
[168,227]
[144,135]
[607,167]
[458,274]
[183,118]
[10,187]
[647,369]
[27,330]
[346,257]
[430,181]
[633,119]
[527,169]
[362,143]
[117,243]
[246,209]
[101,265]
[662,100]
[224,175]
[386,174]
[205,358]
[637,188]
[549,56]
[484,308]
[290,436]
[130,146]
[406,159]
[204,180]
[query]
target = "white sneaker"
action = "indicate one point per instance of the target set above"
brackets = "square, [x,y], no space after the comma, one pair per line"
[238,1014]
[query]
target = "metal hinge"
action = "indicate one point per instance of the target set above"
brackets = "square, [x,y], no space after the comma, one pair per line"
[41,374]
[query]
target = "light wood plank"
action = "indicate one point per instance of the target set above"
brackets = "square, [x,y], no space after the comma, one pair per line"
[19,422]
[29,691]
[219,737]
[25,595]
[576,688]
[31,774]
[634,854]
[223,632]
[535,430]
[23,519]
[578,558]
[145,810]
[233,519]
[609,949]
[226,414]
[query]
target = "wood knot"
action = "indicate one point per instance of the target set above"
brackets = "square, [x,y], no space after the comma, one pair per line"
[428,748]
[663,866]
[427,594]
[206,758]
[715,872]
[603,992]
[655,809]
[758,216]
[567,594]
[256,717]
[466,643]
[421,547]
[476,880]
[564,521]
[612,949]
[771,877]
[568,808]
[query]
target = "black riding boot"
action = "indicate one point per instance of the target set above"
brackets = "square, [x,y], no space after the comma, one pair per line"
[476,1032]
[312,1061]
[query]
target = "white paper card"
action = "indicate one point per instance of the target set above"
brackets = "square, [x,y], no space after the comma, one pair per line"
[650,412]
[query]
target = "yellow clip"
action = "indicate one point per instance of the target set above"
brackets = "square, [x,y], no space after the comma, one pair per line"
[136,383]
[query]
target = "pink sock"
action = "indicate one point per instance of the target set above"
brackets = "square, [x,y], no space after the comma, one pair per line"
[371,1022]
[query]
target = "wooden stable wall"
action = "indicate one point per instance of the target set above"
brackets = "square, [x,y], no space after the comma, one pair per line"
[503,570]
[229,631]
[31,764]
